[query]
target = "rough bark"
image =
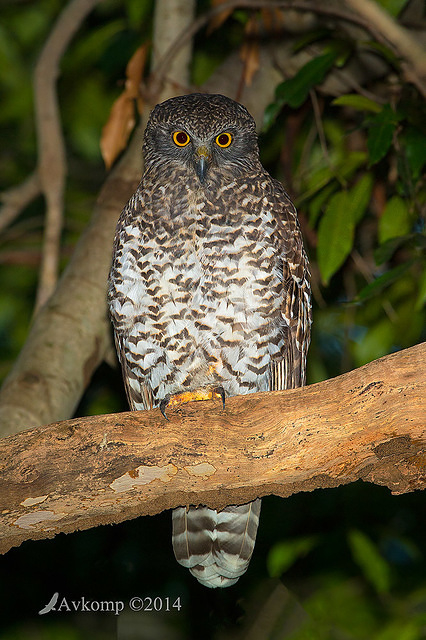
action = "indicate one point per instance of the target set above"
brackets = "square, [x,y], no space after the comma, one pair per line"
[368,424]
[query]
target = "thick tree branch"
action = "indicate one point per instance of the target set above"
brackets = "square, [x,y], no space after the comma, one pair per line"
[367,424]
[172,17]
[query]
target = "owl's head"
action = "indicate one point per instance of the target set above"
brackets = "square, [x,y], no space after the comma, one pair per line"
[202,132]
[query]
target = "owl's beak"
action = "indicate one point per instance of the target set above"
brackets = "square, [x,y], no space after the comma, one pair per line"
[202,161]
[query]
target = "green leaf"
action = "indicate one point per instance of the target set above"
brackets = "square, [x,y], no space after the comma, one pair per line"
[270,114]
[421,298]
[373,565]
[336,135]
[385,251]
[335,235]
[241,16]
[376,342]
[86,50]
[395,220]
[383,281]
[284,554]
[415,146]
[361,103]
[339,173]
[394,7]
[382,50]
[359,197]
[295,91]
[317,180]
[350,163]
[310,37]
[137,12]
[380,135]
[31,24]
[316,203]
[401,629]
[203,65]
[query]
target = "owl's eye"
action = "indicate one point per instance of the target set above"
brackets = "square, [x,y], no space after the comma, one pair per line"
[181,138]
[224,140]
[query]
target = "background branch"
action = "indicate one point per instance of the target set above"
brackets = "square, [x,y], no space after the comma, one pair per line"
[16,199]
[367,424]
[359,18]
[171,18]
[397,37]
[51,161]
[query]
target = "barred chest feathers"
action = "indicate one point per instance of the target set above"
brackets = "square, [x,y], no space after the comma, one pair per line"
[196,288]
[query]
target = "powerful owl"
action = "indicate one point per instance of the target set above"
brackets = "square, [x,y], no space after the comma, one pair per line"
[208,292]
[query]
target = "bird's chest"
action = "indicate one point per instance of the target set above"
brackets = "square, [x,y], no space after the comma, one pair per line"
[207,264]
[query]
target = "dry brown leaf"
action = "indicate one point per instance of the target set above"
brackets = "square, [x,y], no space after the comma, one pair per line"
[249,52]
[220,17]
[134,71]
[121,121]
[273,19]
[117,129]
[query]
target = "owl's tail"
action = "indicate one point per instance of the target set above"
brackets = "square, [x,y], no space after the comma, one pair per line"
[215,546]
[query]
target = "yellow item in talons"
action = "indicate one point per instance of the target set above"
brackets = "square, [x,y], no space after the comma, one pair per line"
[192,396]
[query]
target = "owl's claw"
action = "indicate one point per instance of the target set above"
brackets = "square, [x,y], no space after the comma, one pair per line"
[220,391]
[163,404]
[190,396]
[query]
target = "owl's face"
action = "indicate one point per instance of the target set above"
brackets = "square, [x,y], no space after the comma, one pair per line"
[204,133]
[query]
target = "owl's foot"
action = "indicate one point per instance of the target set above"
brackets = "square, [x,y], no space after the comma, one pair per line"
[191,396]
[219,392]
[163,405]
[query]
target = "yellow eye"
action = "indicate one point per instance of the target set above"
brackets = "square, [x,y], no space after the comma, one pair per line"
[224,140]
[181,138]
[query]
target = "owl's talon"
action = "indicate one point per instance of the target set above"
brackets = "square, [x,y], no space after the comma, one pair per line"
[177,399]
[220,391]
[163,404]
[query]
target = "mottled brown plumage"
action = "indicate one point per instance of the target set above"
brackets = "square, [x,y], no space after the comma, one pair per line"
[209,287]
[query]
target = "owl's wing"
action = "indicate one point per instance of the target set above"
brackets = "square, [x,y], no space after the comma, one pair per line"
[139,394]
[289,370]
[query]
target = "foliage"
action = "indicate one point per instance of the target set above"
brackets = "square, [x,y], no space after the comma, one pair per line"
[354,165]
[361,187]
